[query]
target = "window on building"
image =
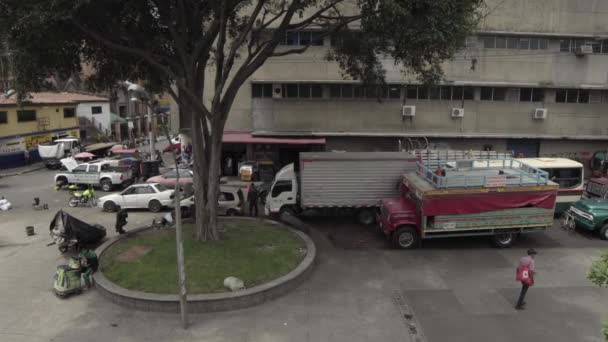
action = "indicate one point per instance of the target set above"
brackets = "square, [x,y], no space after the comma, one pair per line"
[411,92]
[524,43]
[501,42]
[489,42]
[302,38]
[371,92]
[457,93]
[335,91]
[572,95]
[304,91]
[96,110]
[290,90]
[434,93]
[493,94]
[3,117]
[531,95]
[394,92]
[423,93]
[261,90]
[605,46]
[564,45]
[512,43]
[69,112]
[26,115]
[358,92]
[347,91]
[468,93]
[486,93]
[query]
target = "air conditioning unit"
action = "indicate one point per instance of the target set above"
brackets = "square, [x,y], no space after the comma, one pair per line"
[408,111]
[540,113]
[457,112]
[277,91]
[583,50]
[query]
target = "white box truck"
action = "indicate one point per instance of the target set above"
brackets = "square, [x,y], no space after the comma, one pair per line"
[339,182]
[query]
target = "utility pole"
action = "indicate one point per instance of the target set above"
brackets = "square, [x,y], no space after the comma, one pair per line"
[179,241]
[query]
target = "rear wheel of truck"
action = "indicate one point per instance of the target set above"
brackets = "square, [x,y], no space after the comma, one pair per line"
[106,185]
[406,238]
[604,232]
[287,211]
[366,217]
[504,239]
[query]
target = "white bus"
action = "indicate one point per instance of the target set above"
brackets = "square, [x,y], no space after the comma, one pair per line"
[565,172]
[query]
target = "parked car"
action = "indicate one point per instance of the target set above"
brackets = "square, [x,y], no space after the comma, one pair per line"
[229,203]
[170,178]
[153,196]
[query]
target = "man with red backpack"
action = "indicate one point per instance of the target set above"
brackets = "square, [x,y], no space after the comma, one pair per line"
[525,275]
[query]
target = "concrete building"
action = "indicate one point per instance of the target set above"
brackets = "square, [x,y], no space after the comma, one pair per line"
[533,79]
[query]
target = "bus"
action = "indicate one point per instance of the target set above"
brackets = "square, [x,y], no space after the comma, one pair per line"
[565,172]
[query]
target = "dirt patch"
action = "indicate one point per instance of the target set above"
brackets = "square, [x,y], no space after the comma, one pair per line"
[134,253]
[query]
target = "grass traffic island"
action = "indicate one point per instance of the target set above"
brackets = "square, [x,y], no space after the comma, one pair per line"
[251,250]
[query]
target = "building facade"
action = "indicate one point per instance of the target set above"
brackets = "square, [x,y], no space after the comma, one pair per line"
[532,80]
[40,118]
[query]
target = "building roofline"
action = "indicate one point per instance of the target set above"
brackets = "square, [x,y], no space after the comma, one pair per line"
[430,135]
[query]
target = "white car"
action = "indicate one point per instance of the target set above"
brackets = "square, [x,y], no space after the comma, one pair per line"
[153,196]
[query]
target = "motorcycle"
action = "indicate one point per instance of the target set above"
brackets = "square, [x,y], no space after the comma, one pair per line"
[86,197]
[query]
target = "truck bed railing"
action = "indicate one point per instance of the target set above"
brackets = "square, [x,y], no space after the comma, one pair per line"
[491,173]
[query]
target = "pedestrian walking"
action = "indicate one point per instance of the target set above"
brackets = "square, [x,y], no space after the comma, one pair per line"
[525,275]
[121,219]
[26,156]
[252,198]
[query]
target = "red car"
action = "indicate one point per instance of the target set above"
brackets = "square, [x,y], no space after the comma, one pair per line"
[170,178]
[177,147]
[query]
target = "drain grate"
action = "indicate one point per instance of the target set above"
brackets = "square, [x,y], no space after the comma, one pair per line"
[409,318]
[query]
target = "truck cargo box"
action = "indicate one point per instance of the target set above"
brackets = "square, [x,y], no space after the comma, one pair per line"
[351,179]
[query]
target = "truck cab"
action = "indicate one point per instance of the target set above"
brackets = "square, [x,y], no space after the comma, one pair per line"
[588,214]
[283,194]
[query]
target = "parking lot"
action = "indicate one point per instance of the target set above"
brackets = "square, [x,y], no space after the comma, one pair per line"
[361,289]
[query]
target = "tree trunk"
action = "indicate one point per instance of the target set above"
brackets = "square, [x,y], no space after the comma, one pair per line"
[201,179]
[214,184]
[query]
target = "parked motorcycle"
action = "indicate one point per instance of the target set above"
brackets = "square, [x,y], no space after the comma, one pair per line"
[86,197]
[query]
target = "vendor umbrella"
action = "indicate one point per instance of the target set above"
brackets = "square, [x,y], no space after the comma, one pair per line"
[84,155]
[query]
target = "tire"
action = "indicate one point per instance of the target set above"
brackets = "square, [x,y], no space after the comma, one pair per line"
[61,182]
[63,249]
[366,217]
[287,211]
[109,206]
[106,185]
[504,240]
[406,238]
[604,232]
[154,206]
[231,212]
[73,202]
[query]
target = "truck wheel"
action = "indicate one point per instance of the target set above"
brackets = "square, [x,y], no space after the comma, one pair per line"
[604,232]
[231,212]
[106,185]
[154,206]
[504,239]
[287,210]
[61,182]
[406,238]
[366,217]
[109,206]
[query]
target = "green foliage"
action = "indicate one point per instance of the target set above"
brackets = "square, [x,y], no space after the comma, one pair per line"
[253,251]
[599,271]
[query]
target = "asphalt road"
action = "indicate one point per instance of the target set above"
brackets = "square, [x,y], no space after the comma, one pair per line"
[361,290]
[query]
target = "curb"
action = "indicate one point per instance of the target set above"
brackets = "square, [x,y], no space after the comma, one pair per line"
[206,302]
[3,175]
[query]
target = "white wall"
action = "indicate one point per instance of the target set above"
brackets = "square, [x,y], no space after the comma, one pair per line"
[85,110]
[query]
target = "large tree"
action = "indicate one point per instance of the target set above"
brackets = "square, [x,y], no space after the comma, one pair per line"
[176,44]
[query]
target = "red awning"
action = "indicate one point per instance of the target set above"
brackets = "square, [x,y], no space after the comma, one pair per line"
[248,138]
